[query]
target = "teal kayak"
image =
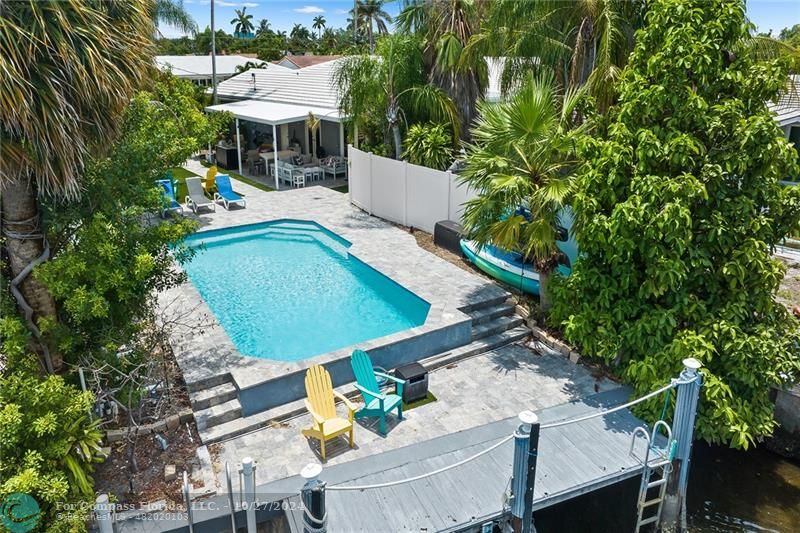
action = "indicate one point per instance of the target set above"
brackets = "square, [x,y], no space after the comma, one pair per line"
[502,265]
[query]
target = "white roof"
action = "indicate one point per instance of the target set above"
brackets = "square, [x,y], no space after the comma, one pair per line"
[274,113]
[787,108]
[200,66]
[306,86]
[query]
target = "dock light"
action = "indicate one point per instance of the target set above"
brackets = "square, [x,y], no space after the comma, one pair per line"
[253,76]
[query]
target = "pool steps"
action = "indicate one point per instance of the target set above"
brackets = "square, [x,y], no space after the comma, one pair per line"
[218,412]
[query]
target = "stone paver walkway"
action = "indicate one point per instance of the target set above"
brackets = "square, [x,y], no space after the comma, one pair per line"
[473,392]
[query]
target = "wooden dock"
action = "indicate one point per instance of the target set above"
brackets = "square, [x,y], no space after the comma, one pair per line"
[573,460]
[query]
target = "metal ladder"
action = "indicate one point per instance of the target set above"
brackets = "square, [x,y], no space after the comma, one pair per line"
[660,465]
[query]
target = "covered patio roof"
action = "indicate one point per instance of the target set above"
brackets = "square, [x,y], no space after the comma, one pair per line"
[275,113]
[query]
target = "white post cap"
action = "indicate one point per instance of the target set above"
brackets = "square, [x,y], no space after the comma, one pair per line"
[311,471]
[528,417]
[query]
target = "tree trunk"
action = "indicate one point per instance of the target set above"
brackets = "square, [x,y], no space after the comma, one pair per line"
[545,302]
[24,243]
[398,141]
[371,41]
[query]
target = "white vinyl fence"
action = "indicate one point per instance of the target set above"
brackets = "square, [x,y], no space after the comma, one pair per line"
[404,193]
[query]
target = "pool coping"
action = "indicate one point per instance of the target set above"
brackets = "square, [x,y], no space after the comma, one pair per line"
[209,357]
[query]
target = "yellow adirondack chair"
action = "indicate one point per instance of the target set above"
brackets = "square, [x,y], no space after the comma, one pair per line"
[321,404]
[209,184]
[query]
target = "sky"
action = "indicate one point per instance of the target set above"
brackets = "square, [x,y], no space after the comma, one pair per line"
[283,14]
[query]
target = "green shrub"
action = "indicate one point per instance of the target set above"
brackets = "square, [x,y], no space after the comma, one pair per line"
[429,145]
[678,209]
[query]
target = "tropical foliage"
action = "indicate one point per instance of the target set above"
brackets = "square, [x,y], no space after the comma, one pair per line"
[243,23]
[55,110]
[580,42]
[679,208]
[48,443]
[172,13]
[523,156]
[429,145]
[446,28]
[390,89]
[114,262]
[370,14]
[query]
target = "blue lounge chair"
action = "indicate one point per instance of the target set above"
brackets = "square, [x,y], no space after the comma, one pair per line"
[225,192]
[376,403]
[169,203]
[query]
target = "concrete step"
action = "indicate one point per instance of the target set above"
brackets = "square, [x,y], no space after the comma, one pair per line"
[488,302]
[495,326]
[239,426]
[477,347]
[218,414]
[212,396]
[207,382]
[490,313]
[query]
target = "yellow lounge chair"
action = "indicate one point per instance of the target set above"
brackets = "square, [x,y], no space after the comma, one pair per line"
[209,184]
[321,404]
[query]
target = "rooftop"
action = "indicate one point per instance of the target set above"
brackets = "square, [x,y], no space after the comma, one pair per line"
[274,83]
[303,61]
[191,66]
[787,108]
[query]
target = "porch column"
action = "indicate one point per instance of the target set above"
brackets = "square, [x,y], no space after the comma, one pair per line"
[341,139]
[238,147]
[275,152]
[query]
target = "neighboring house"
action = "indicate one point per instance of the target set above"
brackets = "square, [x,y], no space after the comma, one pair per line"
[787,111]
[271,106]
[298,62]
[198,68]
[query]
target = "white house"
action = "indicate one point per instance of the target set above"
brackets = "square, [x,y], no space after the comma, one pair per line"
[198,68]
[787,111]
[271,108]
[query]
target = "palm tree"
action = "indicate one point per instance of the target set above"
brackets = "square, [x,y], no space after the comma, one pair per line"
[243,22]
[580,42]
[446,28]
[55,110]
[313,123]
[263,27]
[299,32]
[319,25]
[523,156]
[172,13]
[371,13]
[392,85]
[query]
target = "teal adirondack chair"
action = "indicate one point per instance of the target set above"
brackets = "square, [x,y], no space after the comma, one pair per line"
[376,403]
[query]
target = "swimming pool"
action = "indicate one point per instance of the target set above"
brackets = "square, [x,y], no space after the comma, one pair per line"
[288,290]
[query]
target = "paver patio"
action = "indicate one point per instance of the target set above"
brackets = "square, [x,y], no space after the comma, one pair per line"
[473,392]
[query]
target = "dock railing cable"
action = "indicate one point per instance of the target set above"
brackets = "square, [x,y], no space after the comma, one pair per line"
[672,384]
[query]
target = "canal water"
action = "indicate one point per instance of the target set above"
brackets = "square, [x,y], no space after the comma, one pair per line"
[729,491]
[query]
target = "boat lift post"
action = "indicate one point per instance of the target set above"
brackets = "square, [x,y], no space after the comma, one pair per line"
[673,515]
[526,450]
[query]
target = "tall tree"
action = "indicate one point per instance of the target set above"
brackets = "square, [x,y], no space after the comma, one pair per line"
[523,156]
[70,69]
[263,27]
[580,42]
[373,17]
[678,210]
[446,28]
[243,21]
[391,86]
[172,13]
[319,25]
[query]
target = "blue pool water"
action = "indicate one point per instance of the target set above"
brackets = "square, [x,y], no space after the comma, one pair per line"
[288,290]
